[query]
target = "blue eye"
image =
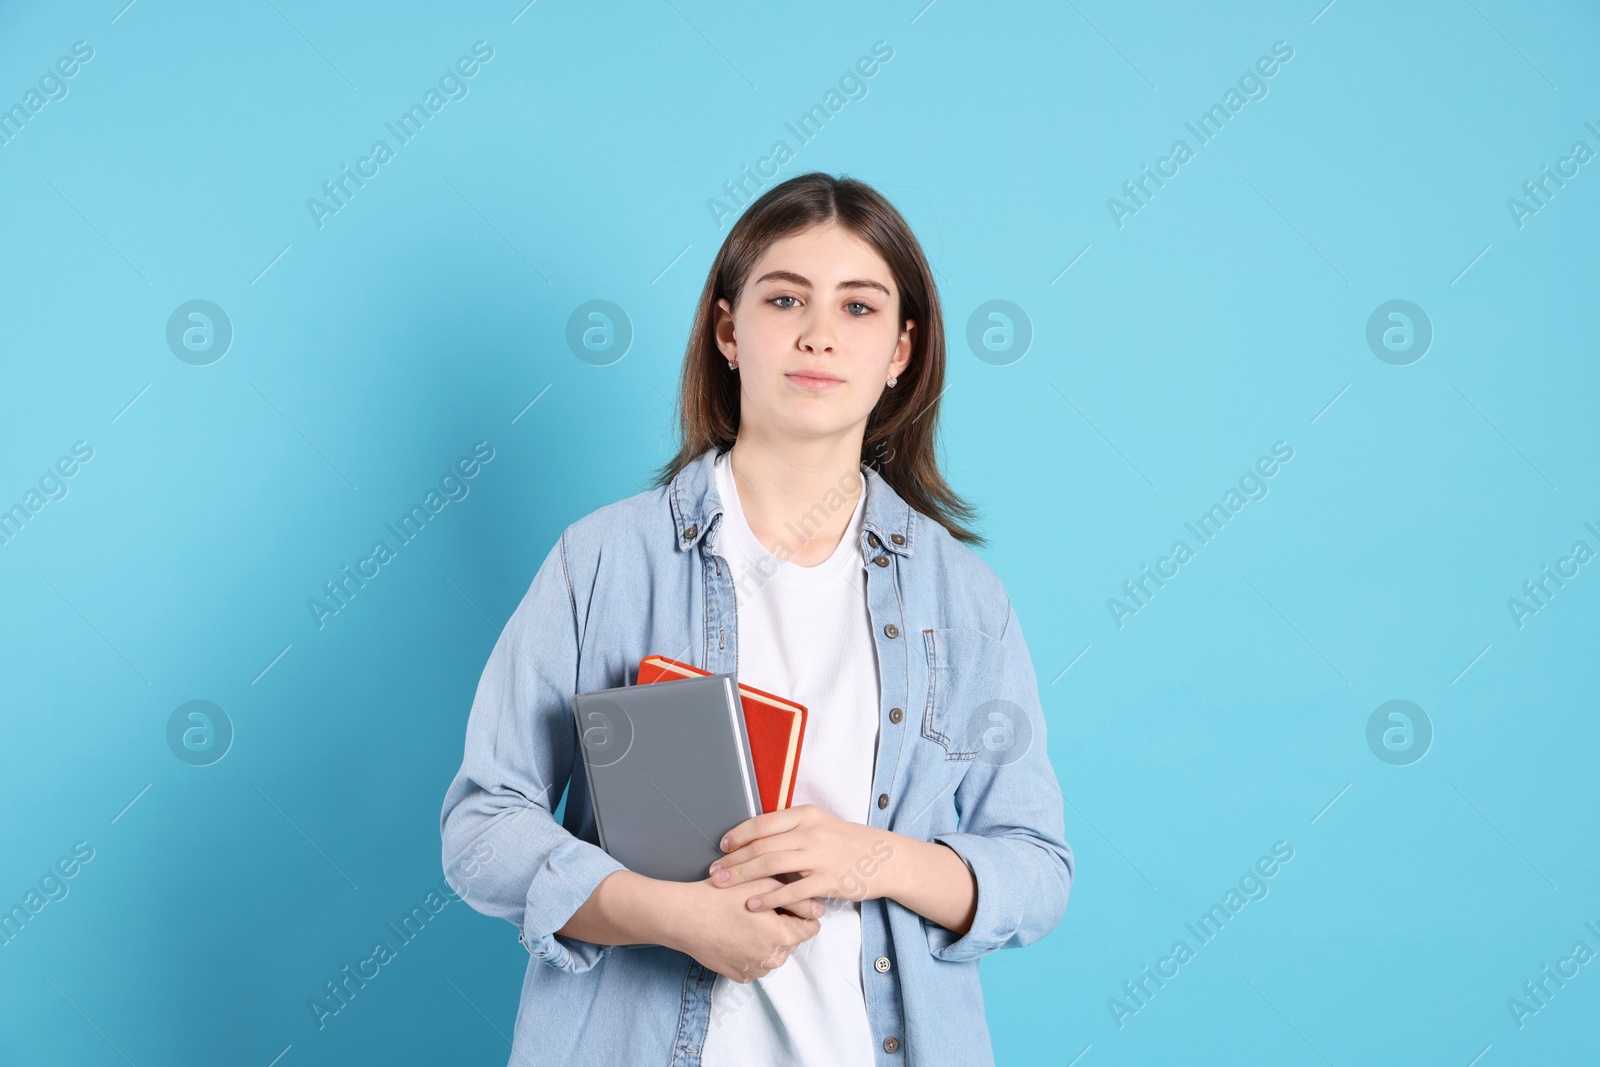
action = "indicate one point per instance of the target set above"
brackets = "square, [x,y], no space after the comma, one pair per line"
[777,298]
[866,308]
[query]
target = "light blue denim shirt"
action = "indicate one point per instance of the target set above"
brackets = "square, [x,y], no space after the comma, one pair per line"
[961,760]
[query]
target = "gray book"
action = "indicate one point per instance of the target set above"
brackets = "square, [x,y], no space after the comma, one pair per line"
[669,772]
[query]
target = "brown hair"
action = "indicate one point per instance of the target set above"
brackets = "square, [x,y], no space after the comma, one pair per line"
[899,442]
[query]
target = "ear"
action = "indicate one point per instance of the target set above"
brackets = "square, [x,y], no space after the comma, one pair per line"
[722,329]
[902,349]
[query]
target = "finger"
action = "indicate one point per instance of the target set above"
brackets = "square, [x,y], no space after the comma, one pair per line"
[771,822]
[768,864]
[755,885]
[800,930]
[784,895]
[759,887]
[758,847]
[809,908]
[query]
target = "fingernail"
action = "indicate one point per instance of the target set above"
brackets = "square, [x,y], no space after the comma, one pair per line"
[720,876]
[715,867]
[755,903]
[816,910]
[724,844]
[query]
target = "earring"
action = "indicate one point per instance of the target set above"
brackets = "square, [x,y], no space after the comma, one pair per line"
[732,365]
[892,381]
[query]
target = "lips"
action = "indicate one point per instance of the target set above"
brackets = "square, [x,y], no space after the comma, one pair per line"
[814,382]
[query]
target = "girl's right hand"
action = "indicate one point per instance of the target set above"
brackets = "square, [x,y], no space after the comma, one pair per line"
[714,926]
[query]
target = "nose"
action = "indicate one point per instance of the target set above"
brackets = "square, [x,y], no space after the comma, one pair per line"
[816,334]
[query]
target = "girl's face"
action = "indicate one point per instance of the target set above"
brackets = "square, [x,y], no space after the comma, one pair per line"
[815,335]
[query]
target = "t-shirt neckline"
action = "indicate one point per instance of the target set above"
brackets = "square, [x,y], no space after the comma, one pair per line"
[829,569]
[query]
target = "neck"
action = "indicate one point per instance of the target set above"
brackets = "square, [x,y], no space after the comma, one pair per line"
[798,497]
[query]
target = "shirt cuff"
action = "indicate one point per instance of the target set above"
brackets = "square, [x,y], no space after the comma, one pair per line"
[999,913]
[560,887]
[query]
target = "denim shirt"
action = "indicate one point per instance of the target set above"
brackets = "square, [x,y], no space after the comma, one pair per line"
[962,759]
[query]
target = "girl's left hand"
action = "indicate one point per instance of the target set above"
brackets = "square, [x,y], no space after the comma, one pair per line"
[832,856]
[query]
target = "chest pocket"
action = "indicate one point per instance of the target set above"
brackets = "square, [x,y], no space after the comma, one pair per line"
[964,673]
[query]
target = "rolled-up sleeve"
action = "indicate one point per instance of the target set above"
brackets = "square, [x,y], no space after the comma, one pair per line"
[1011,832]
[503,850]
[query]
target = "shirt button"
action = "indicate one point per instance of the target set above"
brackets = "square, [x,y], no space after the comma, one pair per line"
[895,714]
[891,1045]
[881,964]
[688,535]
[883,800]
[897,539]
[872,539]
[891,630]
[882,561]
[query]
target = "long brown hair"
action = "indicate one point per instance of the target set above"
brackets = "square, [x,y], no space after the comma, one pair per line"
[899,442]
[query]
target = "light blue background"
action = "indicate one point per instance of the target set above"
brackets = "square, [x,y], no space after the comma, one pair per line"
[1228,314]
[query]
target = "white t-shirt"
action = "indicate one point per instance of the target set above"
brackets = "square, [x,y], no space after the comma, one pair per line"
[804,633]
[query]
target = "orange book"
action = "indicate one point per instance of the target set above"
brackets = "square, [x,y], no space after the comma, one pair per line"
[776,728]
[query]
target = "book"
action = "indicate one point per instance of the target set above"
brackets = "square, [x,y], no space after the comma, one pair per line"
[669,772]
[776,727]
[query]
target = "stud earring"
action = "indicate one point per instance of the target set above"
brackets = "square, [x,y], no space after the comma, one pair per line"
[892,381]
[732,365]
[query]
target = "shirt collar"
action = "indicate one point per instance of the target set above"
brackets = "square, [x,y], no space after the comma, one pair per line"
[886,523]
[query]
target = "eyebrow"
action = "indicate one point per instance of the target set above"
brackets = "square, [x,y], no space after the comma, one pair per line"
[801,280]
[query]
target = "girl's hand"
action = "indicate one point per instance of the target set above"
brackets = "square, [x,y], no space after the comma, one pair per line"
[729,938]
[832,857]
